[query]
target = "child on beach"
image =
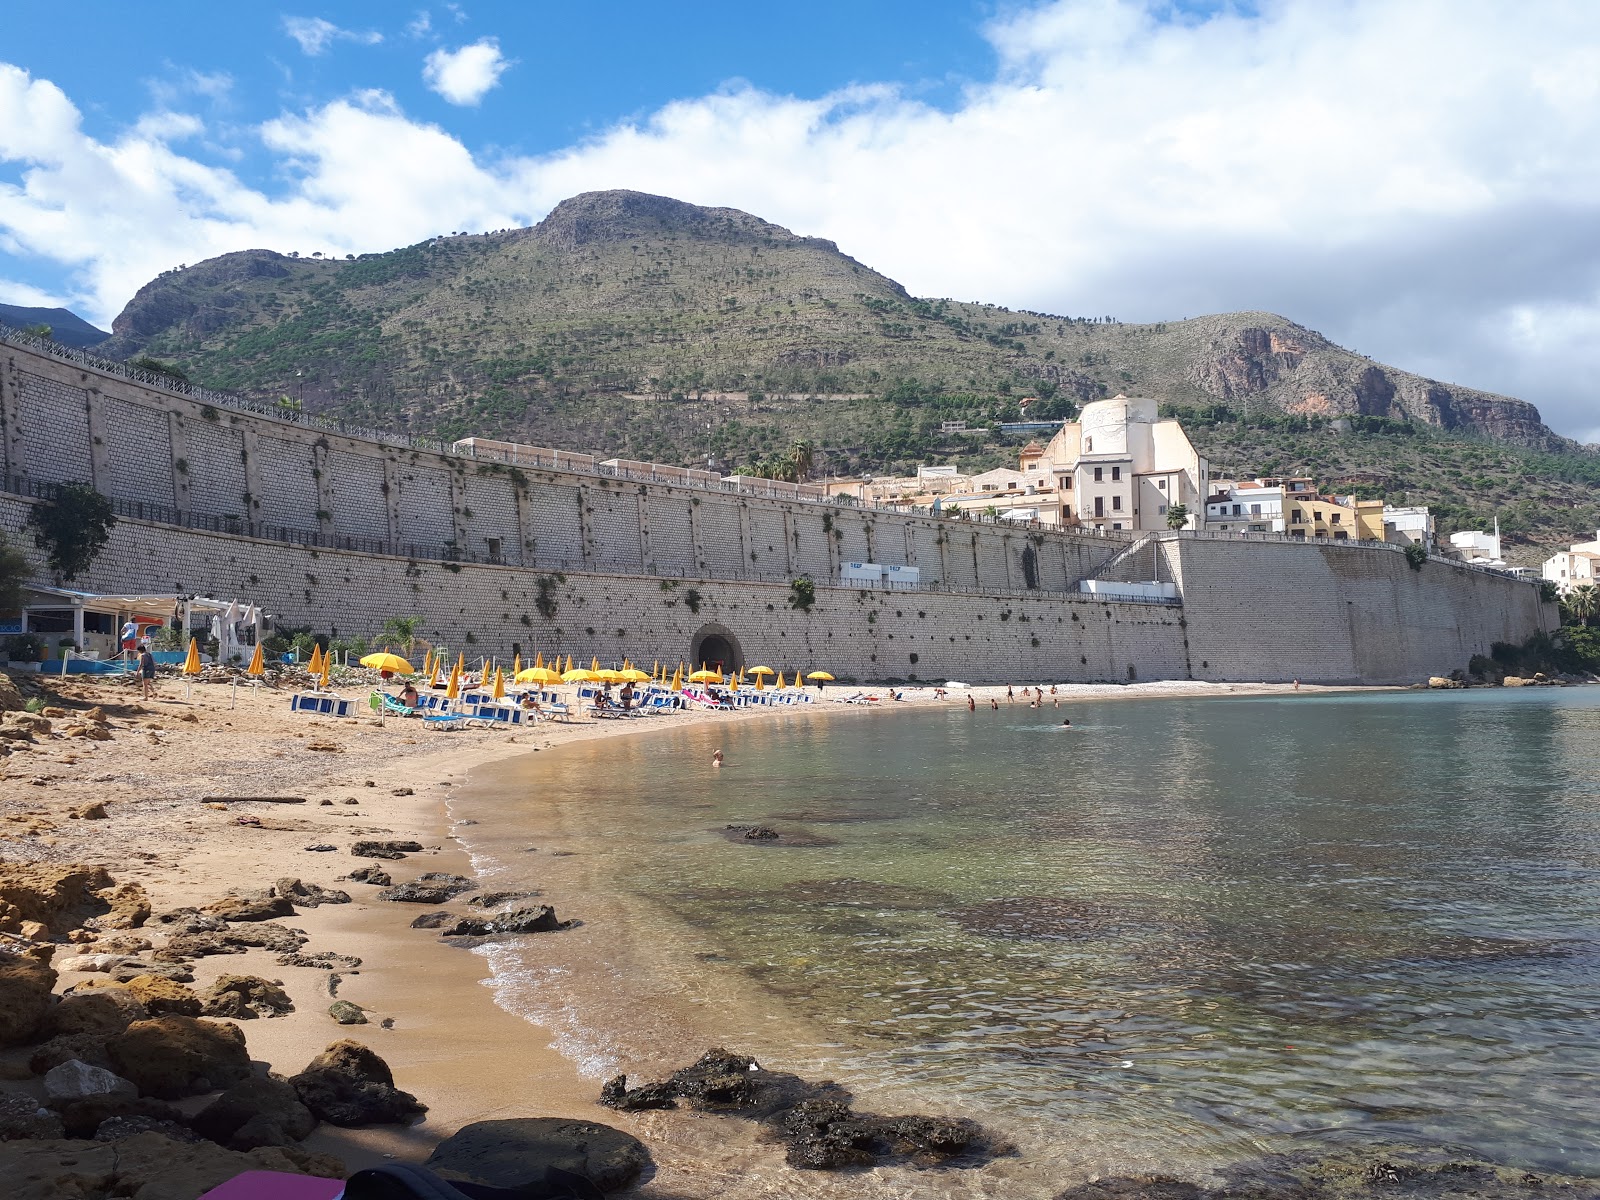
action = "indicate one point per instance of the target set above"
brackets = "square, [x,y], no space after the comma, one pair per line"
[716,759]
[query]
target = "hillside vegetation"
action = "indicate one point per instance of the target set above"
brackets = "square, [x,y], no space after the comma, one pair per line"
[642,326]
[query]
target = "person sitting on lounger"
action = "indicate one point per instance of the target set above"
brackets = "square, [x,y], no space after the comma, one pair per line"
[601,704]
[408,695]
[530,703]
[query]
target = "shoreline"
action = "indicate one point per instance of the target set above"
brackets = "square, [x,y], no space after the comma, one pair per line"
[467,1059]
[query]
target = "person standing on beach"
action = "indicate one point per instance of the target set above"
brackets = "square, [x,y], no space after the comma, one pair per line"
[147,674]
[1011,697]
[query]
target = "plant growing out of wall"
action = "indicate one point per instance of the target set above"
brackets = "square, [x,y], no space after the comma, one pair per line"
[691,599]
[1030,567]
[1416,555]
[13,573]
[802,593]
[73,526]
[544,597]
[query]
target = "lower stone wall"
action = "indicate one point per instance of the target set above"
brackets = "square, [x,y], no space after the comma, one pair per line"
[1331,613]
[1252,611]
[852,633]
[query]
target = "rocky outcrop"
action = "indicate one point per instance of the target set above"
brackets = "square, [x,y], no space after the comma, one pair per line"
[379,849]
[26,998]
[233,940]
[347,1084]
[519,1154]
[64,898]
[245,997]
[147,1166]
[101,1012]
[159,997]
[532,918]
[256,1112]
[435,887]
[170,1057]
[308,895]
[260,905]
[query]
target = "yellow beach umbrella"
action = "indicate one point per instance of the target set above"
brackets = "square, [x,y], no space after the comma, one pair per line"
[191,664]
[762,671]
[779,684]
[433,676]
[634,675]
[327,666]
[594,664]
[257,667]
[655,669]
[823,675]
[606,675]
[761,683]
[392,663]
[569,664]
[705,676]
[516,664]
[543,676]
[454,689]
[315,665]
[578,675]
[677,678]
[733,684]
[499,685]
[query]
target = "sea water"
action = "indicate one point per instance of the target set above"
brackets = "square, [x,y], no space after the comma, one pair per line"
[1180,932]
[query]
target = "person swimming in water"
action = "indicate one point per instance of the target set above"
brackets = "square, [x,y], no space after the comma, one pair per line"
[1066,723]
[716,759]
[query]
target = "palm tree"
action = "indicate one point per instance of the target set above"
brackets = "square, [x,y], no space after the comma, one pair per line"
[801,460]
[1583,603]
[1177,516]
[402,631]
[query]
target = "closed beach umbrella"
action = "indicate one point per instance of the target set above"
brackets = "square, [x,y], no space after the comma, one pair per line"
[315,665]
[191,664]
[779,683]
[761,683]
[538,659]
[594,664]
[516,664]
[823,675]
[733,684]
[569,664]
[392,663]
[433,677]
[677,678]
[499,685]
[257,667]
[327,666]
[454,689]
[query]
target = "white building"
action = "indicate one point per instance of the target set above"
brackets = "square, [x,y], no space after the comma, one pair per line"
[1569,568]
[1251,506]
[1477,547]
[1408,525]
[1119,466]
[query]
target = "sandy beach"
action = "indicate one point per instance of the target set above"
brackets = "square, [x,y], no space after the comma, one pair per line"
[167,777]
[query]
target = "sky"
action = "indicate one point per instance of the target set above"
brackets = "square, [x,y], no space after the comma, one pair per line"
[1415,179]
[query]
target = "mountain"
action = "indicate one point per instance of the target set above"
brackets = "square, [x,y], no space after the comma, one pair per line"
[646,327]
[66,327]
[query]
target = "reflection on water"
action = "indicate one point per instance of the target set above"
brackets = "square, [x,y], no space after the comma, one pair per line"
[1191,928]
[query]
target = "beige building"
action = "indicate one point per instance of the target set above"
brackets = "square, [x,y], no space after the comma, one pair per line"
[1579,564]
[1119,466]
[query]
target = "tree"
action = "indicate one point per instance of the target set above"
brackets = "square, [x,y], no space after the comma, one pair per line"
[156,367]
[402,631]
[1177,516]
[73,527]
[13,574]
[1583,603]
[801,459]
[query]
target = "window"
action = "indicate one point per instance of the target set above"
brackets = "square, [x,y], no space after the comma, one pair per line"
[1299,517]
[1162,509]
[1066,483]
[1336,518]
[1255,510]
[494,547]
[1099,506]
[1341,536]
[1116,503]
[1238,510]
[1116,524]
[1116,472]
[1162,484]
[1097,475]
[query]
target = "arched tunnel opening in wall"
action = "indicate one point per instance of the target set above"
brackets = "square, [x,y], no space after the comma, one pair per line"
[717,648]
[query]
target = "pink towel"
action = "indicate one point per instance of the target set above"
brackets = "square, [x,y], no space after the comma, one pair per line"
[276,1185]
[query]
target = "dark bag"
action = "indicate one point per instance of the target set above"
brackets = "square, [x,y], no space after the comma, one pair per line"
[400,1181]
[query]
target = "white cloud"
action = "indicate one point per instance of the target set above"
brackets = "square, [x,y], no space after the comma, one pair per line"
[466,75]
[316,35]
[421,25]
[1415,178]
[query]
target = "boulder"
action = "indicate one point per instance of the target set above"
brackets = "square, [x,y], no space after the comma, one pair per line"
[83,1117]
[26,997]
[309,895]
[169,1057]
[325,960]
[147,1166]
[189,920]
[375,849]
[78,1080]
[114,1129]
[21,1117]
[346,1013]
[100,1012]
[129,971]
[496,899]
[433,920]
[516,1154]
[1444,682]
[121,943]
[10,697]
[532,918]
[435,887]
[260,905]
[90,963]
[245,997]
[376,876]
[159,996]
[255,1112]
[347,1084]
[1516,681]
[85,1047]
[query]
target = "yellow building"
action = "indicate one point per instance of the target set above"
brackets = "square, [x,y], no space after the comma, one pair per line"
[1343,518]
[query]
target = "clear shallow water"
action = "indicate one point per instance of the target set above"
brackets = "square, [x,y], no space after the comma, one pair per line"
[1187,931]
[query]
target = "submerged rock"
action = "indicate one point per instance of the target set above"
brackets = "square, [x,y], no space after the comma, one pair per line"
[519,1154]
[814,1120]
